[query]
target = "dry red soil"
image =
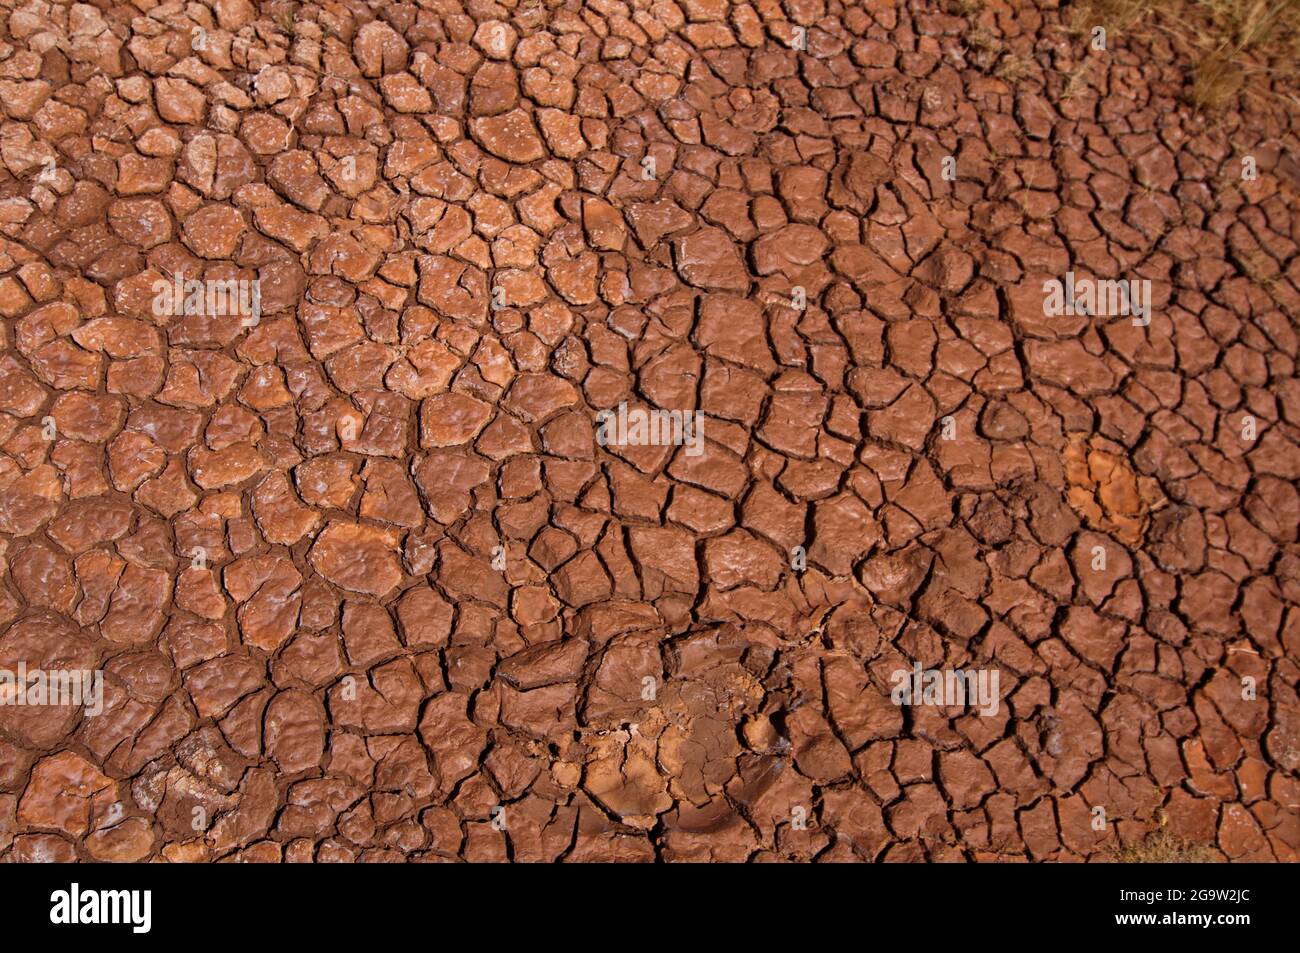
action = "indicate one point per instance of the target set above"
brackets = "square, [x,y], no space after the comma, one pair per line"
[364,585]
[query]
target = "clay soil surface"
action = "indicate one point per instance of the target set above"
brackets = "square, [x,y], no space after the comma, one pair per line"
[366,578]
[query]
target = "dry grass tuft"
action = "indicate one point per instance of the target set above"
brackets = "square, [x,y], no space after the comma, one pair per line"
[1216,83]
[1163,847]
[1013,68]
[982,38]
[1230,41]
[1116,16]
[1241,38]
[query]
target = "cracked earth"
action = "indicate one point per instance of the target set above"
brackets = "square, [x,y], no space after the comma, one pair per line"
[363,585]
